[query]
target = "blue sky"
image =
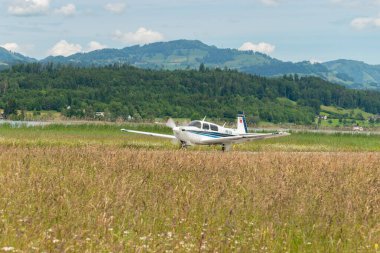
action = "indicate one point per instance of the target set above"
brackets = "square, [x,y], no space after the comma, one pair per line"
[290,30]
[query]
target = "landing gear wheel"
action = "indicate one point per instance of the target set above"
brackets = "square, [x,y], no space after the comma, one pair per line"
[226,147]
[183,145]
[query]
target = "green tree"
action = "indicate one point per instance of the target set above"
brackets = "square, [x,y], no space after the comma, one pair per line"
[202,67]
[10,108]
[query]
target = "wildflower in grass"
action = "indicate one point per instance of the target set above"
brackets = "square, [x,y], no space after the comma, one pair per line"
[204,245]
[8,249]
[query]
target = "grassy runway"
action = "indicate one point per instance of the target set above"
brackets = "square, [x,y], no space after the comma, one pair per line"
[94,189]
[110,135]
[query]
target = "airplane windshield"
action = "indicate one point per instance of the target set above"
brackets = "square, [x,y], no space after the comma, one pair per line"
[214,128]
[197,124]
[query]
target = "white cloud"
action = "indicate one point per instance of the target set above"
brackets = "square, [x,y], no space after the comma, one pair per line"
[315,61]
[22,49]
[115,7]
[94,45]
[270,2]
[141,36]
[28,7]
[65,49]
[261,47]
[13,47]
[67,10]
[364,22]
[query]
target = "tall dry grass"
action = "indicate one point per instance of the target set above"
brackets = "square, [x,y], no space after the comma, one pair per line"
[109,199]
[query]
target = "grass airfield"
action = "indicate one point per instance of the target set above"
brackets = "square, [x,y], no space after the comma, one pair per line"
[109,135]
[91,188]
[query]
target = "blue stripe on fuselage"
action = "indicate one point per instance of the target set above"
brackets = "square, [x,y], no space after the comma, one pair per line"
[211,134]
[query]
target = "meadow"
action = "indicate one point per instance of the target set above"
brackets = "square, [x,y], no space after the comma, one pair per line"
[91,188]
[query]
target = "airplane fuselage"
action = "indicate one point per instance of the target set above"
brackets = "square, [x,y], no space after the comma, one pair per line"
[197,132]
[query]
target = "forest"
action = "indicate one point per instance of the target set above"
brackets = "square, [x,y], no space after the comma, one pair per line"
[123,91]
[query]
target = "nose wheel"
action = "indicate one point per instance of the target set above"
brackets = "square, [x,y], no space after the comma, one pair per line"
[226,147]
[183,145]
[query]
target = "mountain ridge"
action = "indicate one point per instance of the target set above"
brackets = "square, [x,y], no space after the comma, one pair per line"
[185,54]
[8,58]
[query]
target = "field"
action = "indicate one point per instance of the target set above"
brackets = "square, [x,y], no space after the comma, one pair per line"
[90,188]
[349,118]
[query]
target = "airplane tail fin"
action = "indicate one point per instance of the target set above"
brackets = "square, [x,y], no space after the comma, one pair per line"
[241,124]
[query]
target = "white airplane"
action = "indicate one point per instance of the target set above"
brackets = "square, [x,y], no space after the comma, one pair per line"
[200,132]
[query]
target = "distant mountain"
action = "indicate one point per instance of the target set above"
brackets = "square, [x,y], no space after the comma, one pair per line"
[183,54]
[8,58]
[179,54]
[353,74]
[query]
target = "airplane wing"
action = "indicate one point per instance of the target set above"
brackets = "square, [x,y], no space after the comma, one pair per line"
[223,140]
[150,134]
[253,137]
[244,138]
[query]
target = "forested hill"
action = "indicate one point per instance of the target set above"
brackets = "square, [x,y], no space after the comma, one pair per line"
[183,54]
[124,90]
[189,54]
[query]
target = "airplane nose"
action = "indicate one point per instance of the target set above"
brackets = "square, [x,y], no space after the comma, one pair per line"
[176,129]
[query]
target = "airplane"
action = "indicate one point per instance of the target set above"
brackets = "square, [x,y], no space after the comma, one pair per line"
[201,132]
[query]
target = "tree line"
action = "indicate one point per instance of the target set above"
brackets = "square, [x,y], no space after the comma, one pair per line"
[123,91]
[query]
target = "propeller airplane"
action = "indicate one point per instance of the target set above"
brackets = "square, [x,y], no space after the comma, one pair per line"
[201,132]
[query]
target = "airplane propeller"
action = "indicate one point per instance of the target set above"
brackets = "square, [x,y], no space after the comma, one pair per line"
[171,123]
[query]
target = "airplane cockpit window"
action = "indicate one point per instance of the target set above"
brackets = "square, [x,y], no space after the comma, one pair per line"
[214,128]
[206,126]
[197,124]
